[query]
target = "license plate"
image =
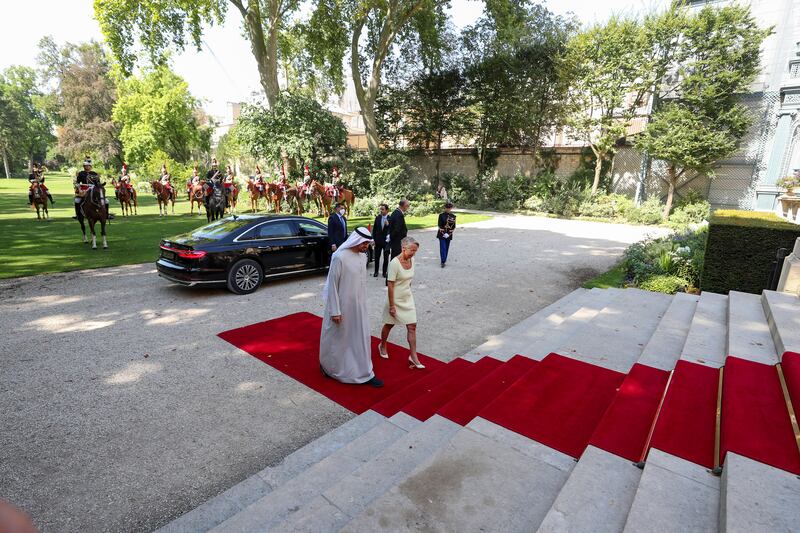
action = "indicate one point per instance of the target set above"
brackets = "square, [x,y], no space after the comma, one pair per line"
[167,255]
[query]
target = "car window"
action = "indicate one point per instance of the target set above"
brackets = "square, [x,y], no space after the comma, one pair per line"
[220,228]
[271,230]
[309,228]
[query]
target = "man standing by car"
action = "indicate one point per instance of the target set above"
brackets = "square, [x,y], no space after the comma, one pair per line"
[337,227]
[380,234]
[397,225]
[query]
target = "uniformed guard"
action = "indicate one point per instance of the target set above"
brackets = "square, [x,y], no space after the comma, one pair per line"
[212,179]
[36,179]
[84,181]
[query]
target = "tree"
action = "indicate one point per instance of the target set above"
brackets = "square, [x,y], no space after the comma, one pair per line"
[387,22]
[615,67]
[159,25]
[702,119]
[25,129]
[155,111]
[515,81]
[297,127]
[82,99]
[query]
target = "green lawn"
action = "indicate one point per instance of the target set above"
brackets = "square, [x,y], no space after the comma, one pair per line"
[612,278]
[37,247]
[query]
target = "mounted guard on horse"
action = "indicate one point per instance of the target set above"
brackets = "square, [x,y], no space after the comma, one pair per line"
[125,182]
[85,182]
[38,188]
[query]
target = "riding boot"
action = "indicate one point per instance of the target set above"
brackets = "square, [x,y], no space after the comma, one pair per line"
[77,211]
[30,198]
[51,198]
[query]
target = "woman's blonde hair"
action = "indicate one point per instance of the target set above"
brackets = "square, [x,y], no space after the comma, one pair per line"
[408,241]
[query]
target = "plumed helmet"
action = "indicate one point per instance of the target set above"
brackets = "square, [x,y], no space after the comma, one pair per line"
[87,162]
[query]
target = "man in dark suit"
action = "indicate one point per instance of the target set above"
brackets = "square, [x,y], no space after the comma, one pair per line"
[397,227]
[337,227]
[380,232]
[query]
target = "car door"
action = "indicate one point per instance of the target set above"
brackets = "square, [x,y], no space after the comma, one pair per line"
[316,243]
[279,246]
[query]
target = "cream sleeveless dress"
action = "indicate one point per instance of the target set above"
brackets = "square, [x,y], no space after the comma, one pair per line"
[403,299]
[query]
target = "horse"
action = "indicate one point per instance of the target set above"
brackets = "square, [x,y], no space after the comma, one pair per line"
[275,195]
[126,199]
[256,194]
[232,198]
[196,195]
[325,200]
[163,196]
[40,202]
[92,207]
[348,198]
[215,209]
[294,199]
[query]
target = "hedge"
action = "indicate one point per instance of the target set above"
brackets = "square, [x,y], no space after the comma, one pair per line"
[740,250]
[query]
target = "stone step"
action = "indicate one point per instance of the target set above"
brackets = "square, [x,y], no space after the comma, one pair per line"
[345,500]
[664,347]
[508,343]
[674,495]
[616,336]
[549,339]
[275,506]
[748,331]
[758,498]
[783,316]
[707,340]
[596,497]
[228,503]
[473,483]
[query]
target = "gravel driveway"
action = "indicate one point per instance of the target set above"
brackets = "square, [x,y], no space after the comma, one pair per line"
[121,409]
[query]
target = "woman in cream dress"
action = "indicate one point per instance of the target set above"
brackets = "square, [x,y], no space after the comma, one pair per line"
[399,308]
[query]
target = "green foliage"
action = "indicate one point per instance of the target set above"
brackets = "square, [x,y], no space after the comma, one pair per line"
[665,283]
[297,126]
[649,212]
[82,100]
[693,210]
[24,126]
[157,112]
[741,249]
[615,277]
[606,206]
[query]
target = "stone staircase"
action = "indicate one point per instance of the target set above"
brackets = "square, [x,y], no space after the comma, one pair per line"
[406,473]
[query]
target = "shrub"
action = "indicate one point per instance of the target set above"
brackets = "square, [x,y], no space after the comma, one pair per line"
[426,205]
[664,283]
[368,206]
[741,249]
[648,213]
[606,206]
[692,209]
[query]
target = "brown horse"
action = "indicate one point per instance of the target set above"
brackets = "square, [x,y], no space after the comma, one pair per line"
[126,199]
[348,198]
[325,200]
[196,195]
[92,207]
[295,200]
[40,202]
[163,196]
[256,194]
[275,196]
[233,197]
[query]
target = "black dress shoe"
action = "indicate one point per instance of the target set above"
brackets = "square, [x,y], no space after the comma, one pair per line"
[375,275]
[442,265]
[375,382]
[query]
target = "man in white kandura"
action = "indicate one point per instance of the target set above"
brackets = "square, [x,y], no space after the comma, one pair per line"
[344,344]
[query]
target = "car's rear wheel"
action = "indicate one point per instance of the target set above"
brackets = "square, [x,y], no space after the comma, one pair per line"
[245,276]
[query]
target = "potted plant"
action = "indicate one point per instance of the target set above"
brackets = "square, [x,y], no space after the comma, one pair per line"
[789,183]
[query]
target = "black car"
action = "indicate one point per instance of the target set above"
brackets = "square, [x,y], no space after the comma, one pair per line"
[241,251]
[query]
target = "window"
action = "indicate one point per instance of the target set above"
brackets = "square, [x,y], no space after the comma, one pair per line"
[272,230]
[220,228]
[311,229]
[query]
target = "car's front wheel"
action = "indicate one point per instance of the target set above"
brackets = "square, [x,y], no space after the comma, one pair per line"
[245,276]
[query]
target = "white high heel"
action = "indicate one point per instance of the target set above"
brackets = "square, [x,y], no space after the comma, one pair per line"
[412,364]
[383,354]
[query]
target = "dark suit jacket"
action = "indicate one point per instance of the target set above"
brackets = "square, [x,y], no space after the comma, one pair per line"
[337,232]
[397,230]
[379,233]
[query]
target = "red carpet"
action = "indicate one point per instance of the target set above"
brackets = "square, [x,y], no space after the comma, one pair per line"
[755,421]
[291,344]
[425,406]
[686,425]
[465,407]
[427,380]
[790,362]
[558,403]
[624,429]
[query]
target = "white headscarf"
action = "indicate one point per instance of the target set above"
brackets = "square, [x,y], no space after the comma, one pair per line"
[357,237]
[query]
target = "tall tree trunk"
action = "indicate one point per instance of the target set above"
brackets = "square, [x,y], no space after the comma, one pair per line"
[672,179]
[598,167]
[264,47]
[5,164]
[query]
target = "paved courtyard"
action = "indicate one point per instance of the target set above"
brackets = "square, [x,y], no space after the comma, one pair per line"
[121,409]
